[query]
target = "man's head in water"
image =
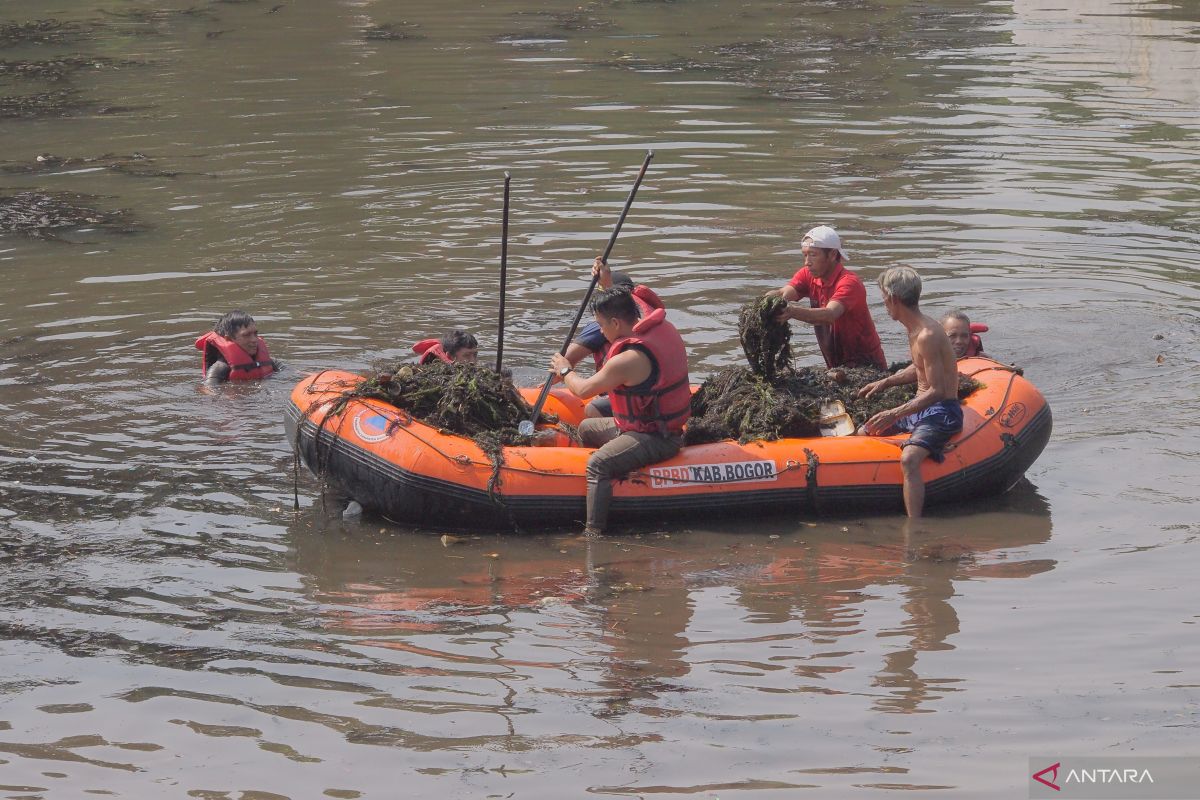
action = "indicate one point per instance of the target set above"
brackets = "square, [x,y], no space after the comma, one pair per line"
[957,326]
[239,327]
[461,346]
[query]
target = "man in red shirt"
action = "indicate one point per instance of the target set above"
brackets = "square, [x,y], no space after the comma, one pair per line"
[837,307]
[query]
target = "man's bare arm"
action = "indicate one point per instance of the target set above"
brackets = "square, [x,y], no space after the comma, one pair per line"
[813,316]
[787,292]
[901,377]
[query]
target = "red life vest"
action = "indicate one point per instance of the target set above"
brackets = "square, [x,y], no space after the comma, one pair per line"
[647,301]
[975,346]
[664,407]
[241,366]
[429,350]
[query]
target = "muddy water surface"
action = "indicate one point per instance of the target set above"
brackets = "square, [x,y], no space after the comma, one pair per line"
[171,628]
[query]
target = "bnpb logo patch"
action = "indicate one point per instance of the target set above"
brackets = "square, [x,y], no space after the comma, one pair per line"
[371,427]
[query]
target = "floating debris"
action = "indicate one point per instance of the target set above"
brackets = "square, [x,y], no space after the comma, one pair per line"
[810,56]
[133,164]
[39,215]
[39,31]
[393,31]
[563,23]
[58,69]
[158,15]
[580,20]
[62,103]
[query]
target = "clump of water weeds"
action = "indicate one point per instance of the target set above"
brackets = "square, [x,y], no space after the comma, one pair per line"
[393,32]
[39,31]
[462,399]
[40,215]
[136,164]
[766,343]
[737,403]
[57,70]
[61,103]
[772,400]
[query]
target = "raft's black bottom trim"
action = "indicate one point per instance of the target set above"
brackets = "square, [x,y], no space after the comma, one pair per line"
[406,496]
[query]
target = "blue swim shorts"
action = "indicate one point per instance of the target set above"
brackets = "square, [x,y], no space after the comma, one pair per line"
[932,427]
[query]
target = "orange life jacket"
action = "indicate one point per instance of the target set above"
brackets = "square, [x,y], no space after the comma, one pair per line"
[647,301]
[429,350]
[664,407]
[241,366]
[975,347]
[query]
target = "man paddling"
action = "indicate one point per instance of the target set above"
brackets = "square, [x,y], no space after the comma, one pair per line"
[646,376]
[935,414]
[837,303]
[591,341]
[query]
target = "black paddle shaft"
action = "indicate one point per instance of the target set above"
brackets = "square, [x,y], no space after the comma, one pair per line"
[541,401]
[503,274]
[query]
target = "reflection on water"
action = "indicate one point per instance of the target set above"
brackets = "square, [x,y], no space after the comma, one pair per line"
[325,634]
[336,169]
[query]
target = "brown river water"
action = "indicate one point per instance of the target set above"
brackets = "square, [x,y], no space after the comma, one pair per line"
[171,628]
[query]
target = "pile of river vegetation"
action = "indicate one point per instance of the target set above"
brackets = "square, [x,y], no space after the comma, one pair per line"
[771,399]
[462,399]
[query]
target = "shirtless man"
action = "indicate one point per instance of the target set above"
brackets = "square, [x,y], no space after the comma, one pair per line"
[963,338]
[935,414]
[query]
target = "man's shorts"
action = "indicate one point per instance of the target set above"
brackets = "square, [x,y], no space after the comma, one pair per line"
[932,427]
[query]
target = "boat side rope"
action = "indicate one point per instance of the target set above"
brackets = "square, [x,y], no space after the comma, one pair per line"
[401,420]
[467,461]
[811,479]
[1012,378]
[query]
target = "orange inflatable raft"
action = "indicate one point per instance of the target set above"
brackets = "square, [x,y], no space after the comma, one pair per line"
[410,472]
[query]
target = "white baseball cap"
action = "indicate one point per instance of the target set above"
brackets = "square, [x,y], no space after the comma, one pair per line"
[825,236]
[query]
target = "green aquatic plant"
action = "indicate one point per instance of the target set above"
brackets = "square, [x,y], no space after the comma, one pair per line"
[771,399]
[466,400]
[765,341]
